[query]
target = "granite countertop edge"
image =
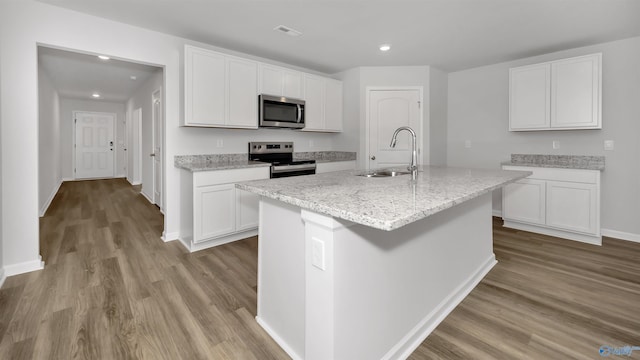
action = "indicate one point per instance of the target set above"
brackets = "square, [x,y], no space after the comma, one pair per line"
[370,220]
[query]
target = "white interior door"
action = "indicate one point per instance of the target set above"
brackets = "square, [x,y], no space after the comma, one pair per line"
[388,110]
[94,140]
[157,148]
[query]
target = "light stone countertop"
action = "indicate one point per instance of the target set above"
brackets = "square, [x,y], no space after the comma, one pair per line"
[196,163]
[385,203]
[581,162]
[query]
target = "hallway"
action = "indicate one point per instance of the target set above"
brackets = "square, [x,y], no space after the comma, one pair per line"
[111,289]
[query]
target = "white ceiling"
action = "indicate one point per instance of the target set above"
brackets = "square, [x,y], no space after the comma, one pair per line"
[77,76]
[341,34]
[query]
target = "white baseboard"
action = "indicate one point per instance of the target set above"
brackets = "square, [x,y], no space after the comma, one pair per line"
[278,340]
[67,179]
[496,213]
[46,205]
[166,237]
[621,235]
[2,277]
[24,267]
[410,342]
[147,197]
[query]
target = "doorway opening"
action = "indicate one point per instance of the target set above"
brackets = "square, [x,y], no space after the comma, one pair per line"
[98,115]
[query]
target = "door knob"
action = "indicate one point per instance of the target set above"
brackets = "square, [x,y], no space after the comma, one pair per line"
[152,155]
[373,157]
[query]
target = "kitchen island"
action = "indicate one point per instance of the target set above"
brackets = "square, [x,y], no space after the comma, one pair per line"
[352,267]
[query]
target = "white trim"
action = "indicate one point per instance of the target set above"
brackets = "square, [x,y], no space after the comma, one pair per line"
[147,197]
[410,342]
[585,238]
[46,205]
[68,179]
[419,132]
[496,213]
[2,277]
[73,142]
[192,246]
[278,340]
[166,237]
[24,267]
[621,235]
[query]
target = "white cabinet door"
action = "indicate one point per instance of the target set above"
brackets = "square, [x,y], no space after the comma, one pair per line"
[524,201]
[214,211]
[572,206]
[292,84]
[205,87]
[333,105]
[314,103]
[242,93]
[575,90]
[246,210]
[278,81]
[529,101]
[270,80]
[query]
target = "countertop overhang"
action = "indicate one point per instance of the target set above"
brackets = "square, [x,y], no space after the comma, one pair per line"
[386,203]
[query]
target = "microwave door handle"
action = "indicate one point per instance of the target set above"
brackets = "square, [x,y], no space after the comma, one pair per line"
[299,107]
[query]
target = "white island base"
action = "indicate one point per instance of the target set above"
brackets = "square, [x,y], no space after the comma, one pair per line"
[332,289]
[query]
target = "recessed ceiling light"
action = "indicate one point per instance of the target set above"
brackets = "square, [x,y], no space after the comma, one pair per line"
[133,77]
[95,95]
[103,57]
[385,47]
[287,30]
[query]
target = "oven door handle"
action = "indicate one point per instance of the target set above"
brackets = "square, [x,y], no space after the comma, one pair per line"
[287,168]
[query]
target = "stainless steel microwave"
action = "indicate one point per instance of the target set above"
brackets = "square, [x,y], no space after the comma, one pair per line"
[280,112]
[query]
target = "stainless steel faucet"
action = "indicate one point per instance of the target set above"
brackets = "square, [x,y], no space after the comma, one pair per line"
[413,167]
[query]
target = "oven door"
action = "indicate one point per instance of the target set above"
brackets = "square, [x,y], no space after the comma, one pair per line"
[279,171]
[281,112]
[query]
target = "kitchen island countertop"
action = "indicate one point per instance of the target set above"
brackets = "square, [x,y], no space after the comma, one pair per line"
[385,203]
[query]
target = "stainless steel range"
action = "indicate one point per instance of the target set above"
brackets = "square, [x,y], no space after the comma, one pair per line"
[280,155]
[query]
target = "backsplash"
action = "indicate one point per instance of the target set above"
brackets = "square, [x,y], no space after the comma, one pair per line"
[562,161]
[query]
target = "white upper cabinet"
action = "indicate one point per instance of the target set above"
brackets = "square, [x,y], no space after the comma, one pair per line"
[279,81]
[556,95]
[323,104]
[220,90]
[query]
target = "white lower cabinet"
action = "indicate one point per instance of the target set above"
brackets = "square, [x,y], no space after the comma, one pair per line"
[214,212]
[557,202]
[335,166]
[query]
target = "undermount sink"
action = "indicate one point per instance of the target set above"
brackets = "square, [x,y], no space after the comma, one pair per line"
[384,173]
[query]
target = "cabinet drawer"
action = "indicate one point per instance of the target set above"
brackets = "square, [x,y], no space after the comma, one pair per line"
[553,174]
[216,177]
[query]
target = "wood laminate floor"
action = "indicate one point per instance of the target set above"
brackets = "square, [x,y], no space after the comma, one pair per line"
[111,289]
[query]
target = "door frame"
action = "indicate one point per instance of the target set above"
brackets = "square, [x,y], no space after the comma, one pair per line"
[134,147]
[73,143]
[367,125]
[158,126]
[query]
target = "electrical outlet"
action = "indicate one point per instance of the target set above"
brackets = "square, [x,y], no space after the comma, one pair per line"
[608,145]
[467,144]
[556,144]
[219,143]
[311,143]
[317,253]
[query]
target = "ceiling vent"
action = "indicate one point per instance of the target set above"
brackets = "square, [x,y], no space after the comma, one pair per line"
[287,30]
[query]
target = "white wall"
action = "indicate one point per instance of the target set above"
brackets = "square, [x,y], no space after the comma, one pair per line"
[67,107]
[2,273]
[142,99]
[437,132]
[49,178]
[478,111]
[24,25]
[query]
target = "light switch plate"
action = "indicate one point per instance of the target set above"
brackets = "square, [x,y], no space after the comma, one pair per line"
[467,144]
[317,253]
[219,143]
[556,144]
[608,145]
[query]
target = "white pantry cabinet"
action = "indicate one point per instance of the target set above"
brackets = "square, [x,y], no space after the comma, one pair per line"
[220,90]
[279,81]
[214,212]
[323,104]
[556,95]
[324,167]
[557,202]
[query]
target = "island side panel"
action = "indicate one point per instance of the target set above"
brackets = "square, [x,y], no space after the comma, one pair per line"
[391,289]
[281,275]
